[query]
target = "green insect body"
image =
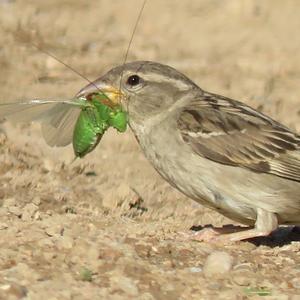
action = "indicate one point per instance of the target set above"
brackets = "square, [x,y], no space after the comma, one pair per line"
[92,123]
[118,120]
[88,131]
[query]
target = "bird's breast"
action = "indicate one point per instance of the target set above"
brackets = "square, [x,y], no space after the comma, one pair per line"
[166,151]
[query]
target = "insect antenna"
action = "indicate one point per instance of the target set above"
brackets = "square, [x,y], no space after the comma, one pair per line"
[131,39]
[128,48]
[68,67]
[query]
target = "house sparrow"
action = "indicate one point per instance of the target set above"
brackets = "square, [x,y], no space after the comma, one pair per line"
[217,151]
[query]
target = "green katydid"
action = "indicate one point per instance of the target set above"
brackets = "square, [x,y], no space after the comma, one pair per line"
[82,121]
[92,123]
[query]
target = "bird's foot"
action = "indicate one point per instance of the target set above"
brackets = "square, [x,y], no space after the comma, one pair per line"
[224,235]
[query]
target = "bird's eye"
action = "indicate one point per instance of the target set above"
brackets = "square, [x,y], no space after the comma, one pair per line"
[133,80]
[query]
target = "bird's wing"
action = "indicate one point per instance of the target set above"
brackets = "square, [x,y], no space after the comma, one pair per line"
[58,117]
[232,133]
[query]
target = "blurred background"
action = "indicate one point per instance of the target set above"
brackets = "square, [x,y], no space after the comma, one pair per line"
[113,200]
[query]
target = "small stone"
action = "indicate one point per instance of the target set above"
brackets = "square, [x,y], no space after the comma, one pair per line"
[217,263]
[242,278]
[29,211]
[107,254]
[5,287]
[37,216]
[3,136]
[15,210]
[195,270]
[49,255]
[228,294]
[296,282]
[243,267]
[45,243]
[128,286]
[54,230]
[49,165]
[11,205]
[36,200]
[14,289]
[118,196]
[3,211]
[9,202]
[3,226]
[22,271]
[146,296]
[64,242]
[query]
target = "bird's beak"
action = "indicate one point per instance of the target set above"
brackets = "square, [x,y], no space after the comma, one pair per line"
[114,95]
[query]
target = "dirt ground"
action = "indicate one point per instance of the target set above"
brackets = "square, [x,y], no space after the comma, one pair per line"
[107,226]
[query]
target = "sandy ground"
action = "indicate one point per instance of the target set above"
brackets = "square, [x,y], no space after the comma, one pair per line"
[106,226]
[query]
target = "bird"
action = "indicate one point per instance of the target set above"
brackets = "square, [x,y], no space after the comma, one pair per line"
[220,152]
[217,151]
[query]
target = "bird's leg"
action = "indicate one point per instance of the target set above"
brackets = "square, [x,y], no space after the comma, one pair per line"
[266,222]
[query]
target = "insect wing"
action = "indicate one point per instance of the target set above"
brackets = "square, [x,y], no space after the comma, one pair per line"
[58,117]
[58,129]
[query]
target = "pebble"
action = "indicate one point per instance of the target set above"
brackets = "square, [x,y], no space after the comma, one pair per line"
[127,285]
[13,289]
[21,272]
[11,205]
[296,283]
[3,226]
[118,196]
[3,211]
[146,296]
[64,242]
[195,270]
[49,165]
[29,211]
[37,216]
[47,242]
[242,278]
[244,267]
[54,230]
[15,210]
[217,263]
[49,255]
[9,202]
[36,200]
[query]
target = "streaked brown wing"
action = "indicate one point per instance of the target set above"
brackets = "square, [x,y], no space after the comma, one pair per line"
[231,133]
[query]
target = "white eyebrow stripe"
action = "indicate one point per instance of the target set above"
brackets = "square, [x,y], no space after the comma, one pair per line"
[180,84]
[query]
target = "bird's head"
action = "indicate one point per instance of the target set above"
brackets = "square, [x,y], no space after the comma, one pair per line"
[143,88]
